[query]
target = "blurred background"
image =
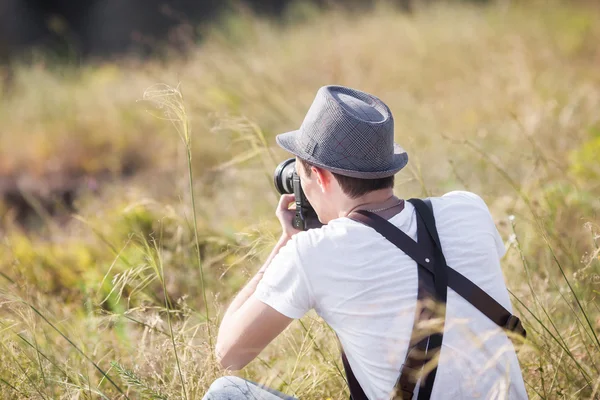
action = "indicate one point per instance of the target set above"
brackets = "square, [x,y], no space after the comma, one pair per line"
[136,159]
[111,28]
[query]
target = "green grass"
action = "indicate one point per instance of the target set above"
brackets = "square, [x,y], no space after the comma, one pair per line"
[123,299]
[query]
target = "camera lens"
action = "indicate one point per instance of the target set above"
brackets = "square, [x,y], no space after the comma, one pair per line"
[283,176]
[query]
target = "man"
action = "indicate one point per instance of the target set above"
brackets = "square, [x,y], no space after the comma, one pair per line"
[362,285]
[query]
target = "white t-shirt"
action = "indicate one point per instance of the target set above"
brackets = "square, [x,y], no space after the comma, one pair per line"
[365,288]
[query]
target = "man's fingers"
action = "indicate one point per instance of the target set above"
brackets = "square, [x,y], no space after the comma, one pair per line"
[285,200]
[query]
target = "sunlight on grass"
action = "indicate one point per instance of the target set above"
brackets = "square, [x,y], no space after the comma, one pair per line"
[173,197]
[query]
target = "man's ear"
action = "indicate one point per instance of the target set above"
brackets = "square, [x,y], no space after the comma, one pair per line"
[323,177]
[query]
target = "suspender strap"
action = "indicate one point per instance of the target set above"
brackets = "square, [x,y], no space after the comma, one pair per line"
[418,352]
[356,391]
[440,278]
[435,276]
[421,254]
[432,282]
[478,298]
[424,350]
[425,212]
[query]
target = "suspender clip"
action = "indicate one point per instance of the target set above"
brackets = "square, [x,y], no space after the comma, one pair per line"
[513,324]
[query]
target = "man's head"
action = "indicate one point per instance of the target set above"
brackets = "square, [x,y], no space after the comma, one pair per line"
[345,148]
[327,191]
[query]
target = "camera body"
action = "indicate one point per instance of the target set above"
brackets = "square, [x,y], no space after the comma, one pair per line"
[287,181]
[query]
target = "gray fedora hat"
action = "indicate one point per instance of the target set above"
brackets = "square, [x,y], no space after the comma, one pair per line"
[348,132]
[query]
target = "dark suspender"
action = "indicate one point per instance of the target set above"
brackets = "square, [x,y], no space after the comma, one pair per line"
[434,277]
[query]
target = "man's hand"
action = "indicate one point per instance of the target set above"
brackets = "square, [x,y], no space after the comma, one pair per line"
[285,215]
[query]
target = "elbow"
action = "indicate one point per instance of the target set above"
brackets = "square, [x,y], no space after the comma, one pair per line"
[228,359]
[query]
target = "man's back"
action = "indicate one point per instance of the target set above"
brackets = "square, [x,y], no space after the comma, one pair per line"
[365,289]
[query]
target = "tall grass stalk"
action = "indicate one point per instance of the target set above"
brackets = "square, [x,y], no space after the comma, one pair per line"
[104,374]
[18,364]
[159,269]
[572,291]
[136,382]
[170,101]
[550,324]
[41,354]
[254,140]
[318,349]
[558,338]
[2,380]
[519,85]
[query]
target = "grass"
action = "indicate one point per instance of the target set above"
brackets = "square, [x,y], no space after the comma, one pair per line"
[122,299]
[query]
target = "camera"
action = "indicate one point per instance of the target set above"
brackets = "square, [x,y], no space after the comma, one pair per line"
[287,181]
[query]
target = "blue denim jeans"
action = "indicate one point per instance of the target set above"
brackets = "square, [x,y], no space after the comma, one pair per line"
[235,388]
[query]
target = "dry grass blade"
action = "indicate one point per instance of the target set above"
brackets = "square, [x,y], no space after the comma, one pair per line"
[137,384]
[498,98]
[155,260]
[170,101]
[78,349]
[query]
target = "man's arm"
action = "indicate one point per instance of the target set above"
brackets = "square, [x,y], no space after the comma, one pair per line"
[249,325]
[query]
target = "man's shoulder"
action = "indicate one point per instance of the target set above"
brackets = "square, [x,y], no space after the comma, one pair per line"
[336,235]
[316,236]
[465,213]
[343,230]
[460,199]
[462,209]
[463,196]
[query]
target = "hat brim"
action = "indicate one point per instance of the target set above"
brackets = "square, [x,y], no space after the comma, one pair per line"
[288,142]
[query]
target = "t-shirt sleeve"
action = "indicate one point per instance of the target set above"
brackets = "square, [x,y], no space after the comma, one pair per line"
[479,202]
[500,247]
[285,286]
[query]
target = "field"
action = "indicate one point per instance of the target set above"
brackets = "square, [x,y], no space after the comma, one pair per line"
[138,195]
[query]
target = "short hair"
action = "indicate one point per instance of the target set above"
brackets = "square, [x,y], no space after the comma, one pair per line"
[355,187]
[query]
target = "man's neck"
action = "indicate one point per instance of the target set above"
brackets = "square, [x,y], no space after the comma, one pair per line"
[372,200]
